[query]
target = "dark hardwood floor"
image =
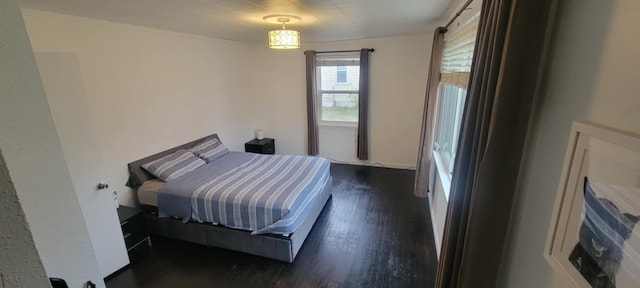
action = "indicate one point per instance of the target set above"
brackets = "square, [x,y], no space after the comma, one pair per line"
[372,233]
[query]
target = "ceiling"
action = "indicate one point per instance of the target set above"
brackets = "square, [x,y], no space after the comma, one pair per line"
[241,20]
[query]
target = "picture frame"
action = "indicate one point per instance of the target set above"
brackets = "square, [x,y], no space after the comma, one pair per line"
[591,238]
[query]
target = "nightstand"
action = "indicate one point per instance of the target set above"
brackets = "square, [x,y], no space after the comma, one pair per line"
[134,230]
[262,146]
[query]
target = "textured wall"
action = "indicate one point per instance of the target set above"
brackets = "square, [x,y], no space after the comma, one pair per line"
[37,168]
[20,265]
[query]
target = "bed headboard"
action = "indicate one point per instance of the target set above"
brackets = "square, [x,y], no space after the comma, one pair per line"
[137,174]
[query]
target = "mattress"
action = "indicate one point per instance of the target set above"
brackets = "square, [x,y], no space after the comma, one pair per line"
[148,192]
[252,192]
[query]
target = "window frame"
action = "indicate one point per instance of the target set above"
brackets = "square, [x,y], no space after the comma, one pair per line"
[330,122]
[447,159]
[456,61]
[345,60]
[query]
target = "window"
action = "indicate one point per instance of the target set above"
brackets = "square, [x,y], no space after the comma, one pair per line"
[457,56]
[341,74]
[339,79]
[450,108]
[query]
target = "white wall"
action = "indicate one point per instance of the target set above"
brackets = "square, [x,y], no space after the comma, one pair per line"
[593,77]
[39,174]
[398,82]
[148,90]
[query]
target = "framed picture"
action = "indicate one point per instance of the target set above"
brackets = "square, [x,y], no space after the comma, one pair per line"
[593,239]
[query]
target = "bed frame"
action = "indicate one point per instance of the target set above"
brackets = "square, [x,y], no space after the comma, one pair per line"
[267,245]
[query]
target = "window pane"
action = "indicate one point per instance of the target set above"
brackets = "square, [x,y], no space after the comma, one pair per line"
[338,92]
[329,78]
[451,102]
[341,74]
[339,107]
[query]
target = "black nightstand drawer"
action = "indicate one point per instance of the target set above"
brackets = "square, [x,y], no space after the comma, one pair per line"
[262,146]
[134,229]
[133,225]
[131,239]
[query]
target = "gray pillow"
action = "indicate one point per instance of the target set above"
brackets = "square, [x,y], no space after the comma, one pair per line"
[210,149]
[174,165]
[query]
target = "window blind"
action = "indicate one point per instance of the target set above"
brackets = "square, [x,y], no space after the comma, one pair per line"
[457,53]
[338,59]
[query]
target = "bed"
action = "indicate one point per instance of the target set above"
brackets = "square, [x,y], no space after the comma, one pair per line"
[263,205]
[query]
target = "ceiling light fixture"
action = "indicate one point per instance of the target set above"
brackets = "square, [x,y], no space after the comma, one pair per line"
[283,38]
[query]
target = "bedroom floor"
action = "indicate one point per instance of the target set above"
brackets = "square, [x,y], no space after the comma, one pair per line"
[372,233]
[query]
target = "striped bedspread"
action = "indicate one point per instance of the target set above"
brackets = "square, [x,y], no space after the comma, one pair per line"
[253,192]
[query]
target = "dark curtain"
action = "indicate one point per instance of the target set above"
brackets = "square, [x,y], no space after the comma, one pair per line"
[424,165]
[503,82]
[363,106]
[312,104]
